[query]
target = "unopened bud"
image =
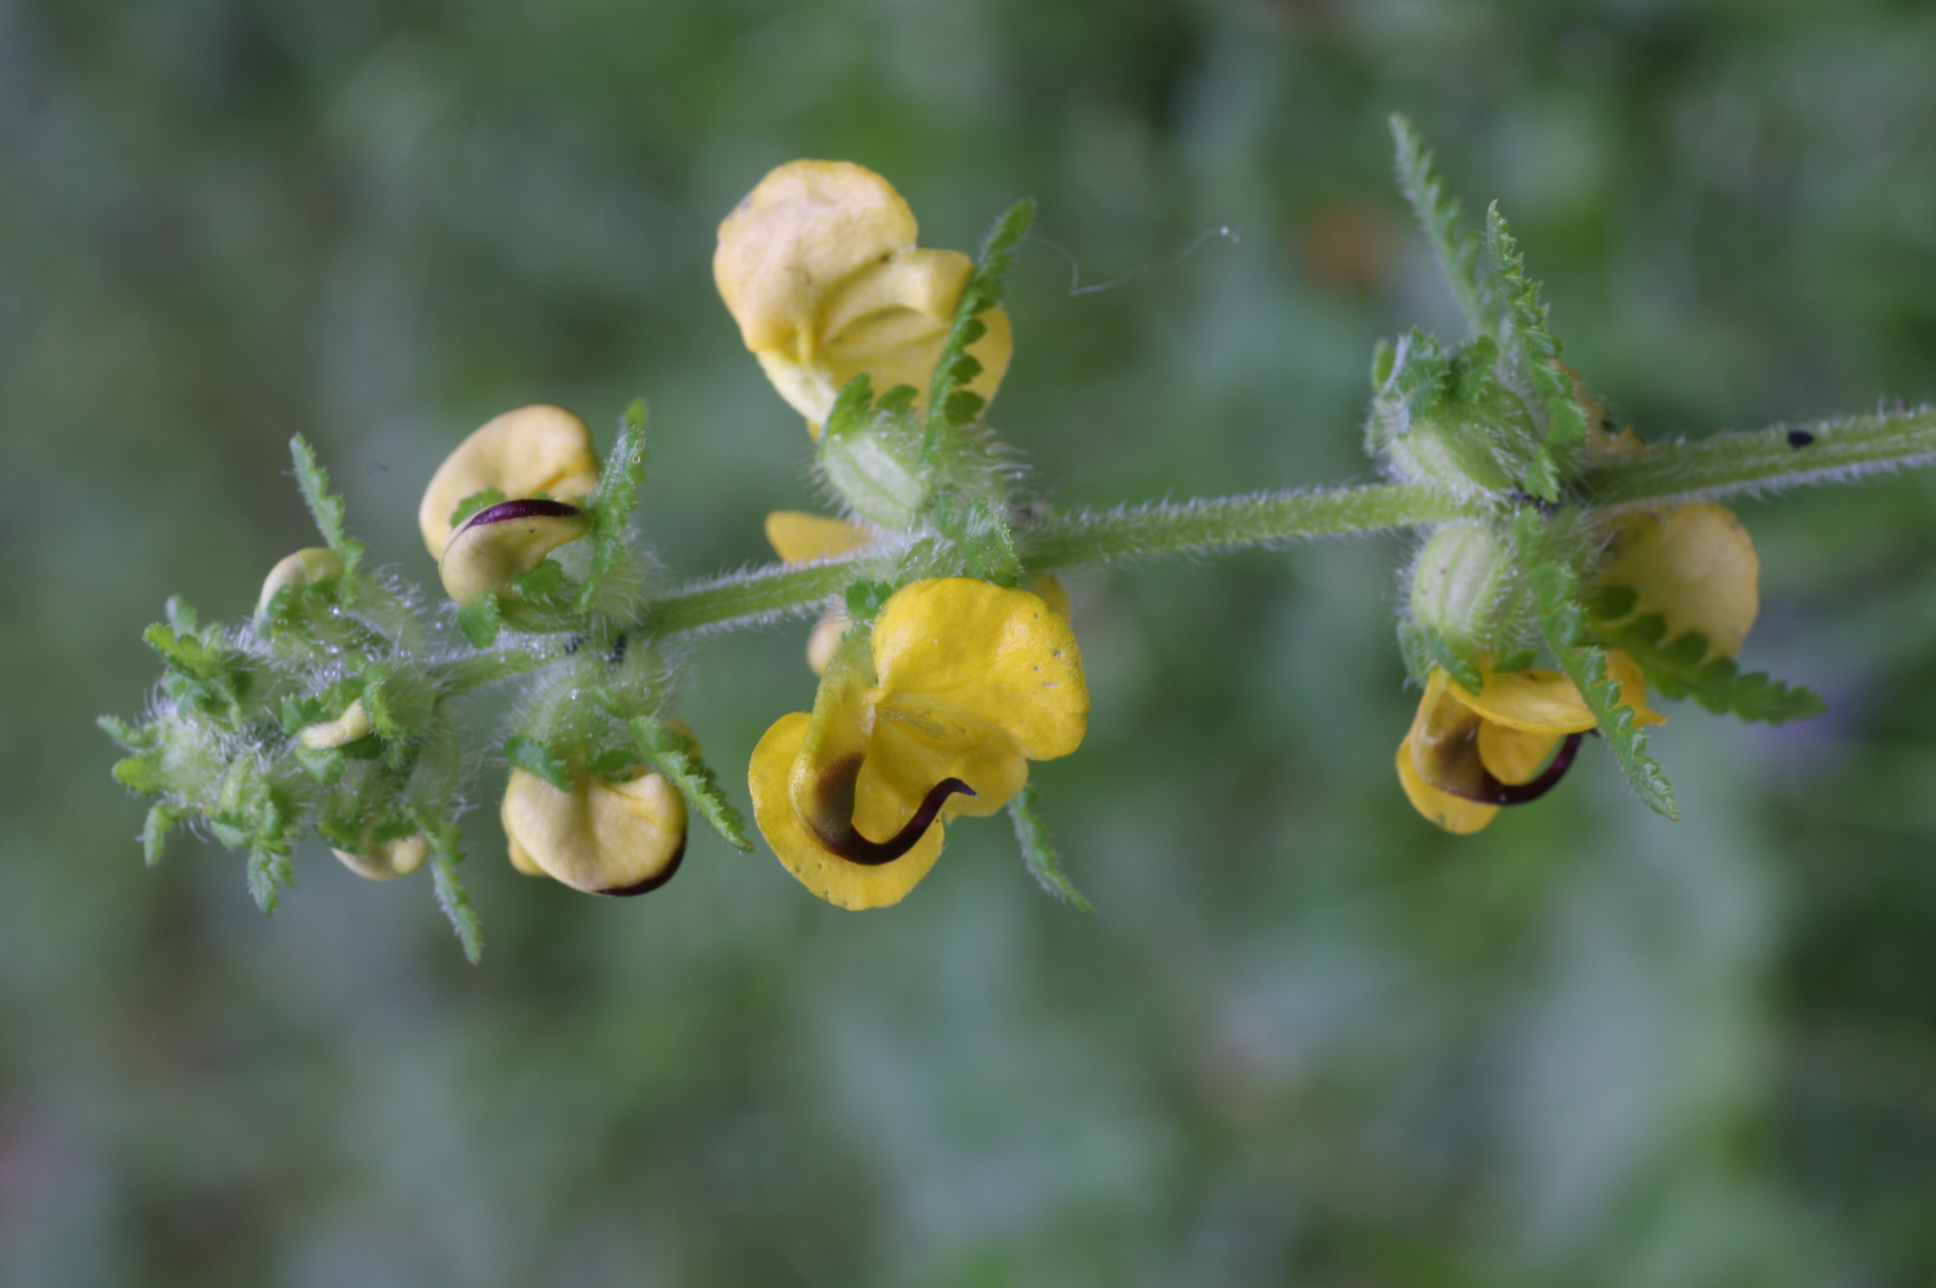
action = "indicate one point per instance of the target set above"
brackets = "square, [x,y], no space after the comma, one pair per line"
[875,469]
[501,543]
[603,838]
[1459,583]
[386,860]
[524,453]
[354,723]
[304,568]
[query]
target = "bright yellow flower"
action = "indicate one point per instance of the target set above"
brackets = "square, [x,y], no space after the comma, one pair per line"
[818,266]
[798,537]
[1693,565]
[540,450]
[602,838]
[1469,753]
[937,713]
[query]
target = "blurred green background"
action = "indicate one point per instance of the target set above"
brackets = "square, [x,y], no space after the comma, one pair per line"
[1306,1038]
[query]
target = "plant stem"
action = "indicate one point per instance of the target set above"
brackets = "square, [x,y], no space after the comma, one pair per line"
[1232,523]
[1780,457]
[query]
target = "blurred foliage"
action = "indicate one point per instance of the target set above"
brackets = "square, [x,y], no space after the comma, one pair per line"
[1305,1038]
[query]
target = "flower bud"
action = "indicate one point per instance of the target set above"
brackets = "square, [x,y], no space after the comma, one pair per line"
[521,454]
[603,838]
[354,723]
[876,469]
[502,542]
[1459,583]
[386,860]
[304,568]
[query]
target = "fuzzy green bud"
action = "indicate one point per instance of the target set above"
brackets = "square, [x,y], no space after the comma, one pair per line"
[1459,586]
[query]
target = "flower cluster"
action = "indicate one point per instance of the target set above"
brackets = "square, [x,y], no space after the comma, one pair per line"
[1571,575]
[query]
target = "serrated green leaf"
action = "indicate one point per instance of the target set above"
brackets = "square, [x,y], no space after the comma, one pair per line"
[476,501]
[1511,662]
[524,752]
[451,895]
[140,774]
[160,822]
[1417,657]
[853,408]
[1680,668]
[481,621]
[1562,620]
[130,737]
[1542,477]
[612,502]
[1038,851]
[542,583]
[327,509]
[676,756]
[955,366]
[324,764]
[1457,251]
[267,870]
[1455,664]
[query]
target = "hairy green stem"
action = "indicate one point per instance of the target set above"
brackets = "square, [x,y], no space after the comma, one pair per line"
[1200,527]
[1780,457]
[1783,456]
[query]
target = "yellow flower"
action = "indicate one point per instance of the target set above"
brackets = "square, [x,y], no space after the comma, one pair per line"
[798,537]
[533,451]
[603,838]
[1694,566]
[1469,753]
[818,266]
[937,713]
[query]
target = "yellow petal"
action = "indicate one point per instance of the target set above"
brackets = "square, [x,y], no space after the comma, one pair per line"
[521,454]
[387,860]
[904,761]
[964,661]
[501,543]
[1443,739]
[1694,565]
[519,859]
[1633,687]
[799,235]
[1453,813]
[818,266]
[825,640]
[1533,700]
[1045,585]
[798,537]
[1513,755]
[602,838]
[848,885]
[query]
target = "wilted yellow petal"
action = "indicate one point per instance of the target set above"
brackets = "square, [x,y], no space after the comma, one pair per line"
[1694,565]
[960,658]
[539,449]
[1534,700]
[839,882]
[602,838]
[799,537]
[1453,813]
